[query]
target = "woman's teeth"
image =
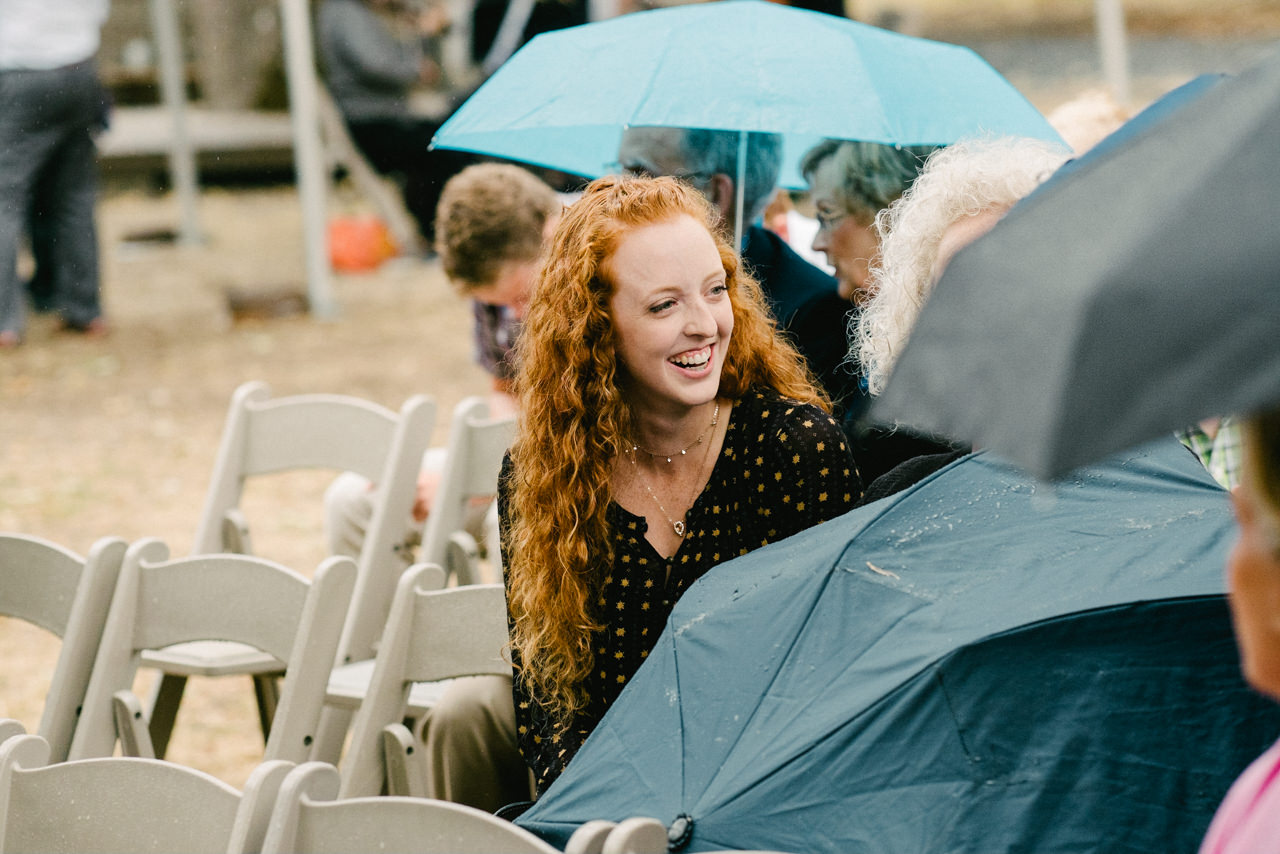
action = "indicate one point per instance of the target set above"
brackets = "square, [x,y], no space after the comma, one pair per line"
[695,359]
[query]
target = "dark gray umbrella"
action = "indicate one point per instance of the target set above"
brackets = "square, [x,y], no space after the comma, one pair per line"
[1134,294]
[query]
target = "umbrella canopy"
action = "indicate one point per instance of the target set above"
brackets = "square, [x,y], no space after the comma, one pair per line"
[564,98]
[1131,295]
[980,663]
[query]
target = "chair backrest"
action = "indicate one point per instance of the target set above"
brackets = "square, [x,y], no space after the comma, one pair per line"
[431,634]
[263,435]
[236,598]
[57,590]
[477,444]
[307,820]
[127,804]
[638,835]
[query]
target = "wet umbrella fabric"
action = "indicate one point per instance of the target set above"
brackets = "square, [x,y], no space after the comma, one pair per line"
[983,662]
[1134,294]
[563,100]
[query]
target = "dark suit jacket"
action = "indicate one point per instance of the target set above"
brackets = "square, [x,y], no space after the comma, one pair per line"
[810,311]
[817,319]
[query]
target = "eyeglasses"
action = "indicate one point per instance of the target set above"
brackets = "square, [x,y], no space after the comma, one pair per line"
[828,220]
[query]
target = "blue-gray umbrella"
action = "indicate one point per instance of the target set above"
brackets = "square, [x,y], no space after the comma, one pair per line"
[980,663]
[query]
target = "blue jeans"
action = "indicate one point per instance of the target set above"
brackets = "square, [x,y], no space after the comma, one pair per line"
[47,122]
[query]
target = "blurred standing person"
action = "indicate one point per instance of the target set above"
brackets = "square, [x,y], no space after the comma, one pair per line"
[666,427]
[51,105]
[373,55]
[500,27]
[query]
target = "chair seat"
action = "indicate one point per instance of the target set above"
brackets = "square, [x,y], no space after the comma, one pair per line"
[349,683]
[212,658]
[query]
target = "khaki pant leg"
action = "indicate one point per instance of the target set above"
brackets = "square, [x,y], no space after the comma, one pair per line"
[348,511]
[472,755]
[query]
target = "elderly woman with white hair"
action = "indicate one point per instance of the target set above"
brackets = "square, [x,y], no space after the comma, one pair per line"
[961,193]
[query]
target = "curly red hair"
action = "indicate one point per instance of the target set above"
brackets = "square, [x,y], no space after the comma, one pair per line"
[575,420]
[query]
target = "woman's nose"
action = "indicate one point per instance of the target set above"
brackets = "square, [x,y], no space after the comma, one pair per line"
[699,320]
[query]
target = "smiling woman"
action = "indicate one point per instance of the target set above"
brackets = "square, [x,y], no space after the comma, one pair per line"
[667,428]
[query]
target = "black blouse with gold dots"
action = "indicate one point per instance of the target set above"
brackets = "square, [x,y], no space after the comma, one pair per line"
[784,467]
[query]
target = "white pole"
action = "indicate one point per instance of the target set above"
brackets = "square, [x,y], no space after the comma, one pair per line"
[308,158]
[1113,46]
[182,159]
[739,189]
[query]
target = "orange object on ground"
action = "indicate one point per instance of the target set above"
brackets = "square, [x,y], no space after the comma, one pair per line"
[359,243]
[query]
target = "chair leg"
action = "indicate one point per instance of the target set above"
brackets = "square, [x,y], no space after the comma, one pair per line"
[331,735]
[401,759]
[131,725]
[266,686]
[462,558]
[165,698]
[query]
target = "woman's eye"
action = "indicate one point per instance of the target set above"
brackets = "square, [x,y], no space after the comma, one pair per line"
[721,288]
[662,306]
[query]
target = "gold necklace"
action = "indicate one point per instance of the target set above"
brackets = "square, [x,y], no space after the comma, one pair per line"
[677,525]
[715,419]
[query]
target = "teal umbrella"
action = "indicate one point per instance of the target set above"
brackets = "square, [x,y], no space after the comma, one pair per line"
[563,99]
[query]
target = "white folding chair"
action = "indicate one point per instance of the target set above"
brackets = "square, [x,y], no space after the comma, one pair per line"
[10,728]
[239,598]
[126,805]
[638,835]
[631,836]
[307,820]
[590,837]
[473,459]
[432,635]
[262,436]
[54,588]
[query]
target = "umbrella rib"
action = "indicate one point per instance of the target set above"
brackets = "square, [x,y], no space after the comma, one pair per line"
[795,639]
[675,669]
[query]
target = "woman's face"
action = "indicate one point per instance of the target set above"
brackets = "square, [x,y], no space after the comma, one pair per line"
[849,246]
[671,314]
[1253,579]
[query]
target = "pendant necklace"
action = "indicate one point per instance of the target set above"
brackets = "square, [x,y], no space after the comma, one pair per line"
[677,525]
[715,419]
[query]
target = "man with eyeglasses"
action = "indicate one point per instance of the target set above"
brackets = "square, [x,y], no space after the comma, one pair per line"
[801,296]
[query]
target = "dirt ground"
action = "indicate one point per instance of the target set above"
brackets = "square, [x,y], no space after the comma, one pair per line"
[117,436]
